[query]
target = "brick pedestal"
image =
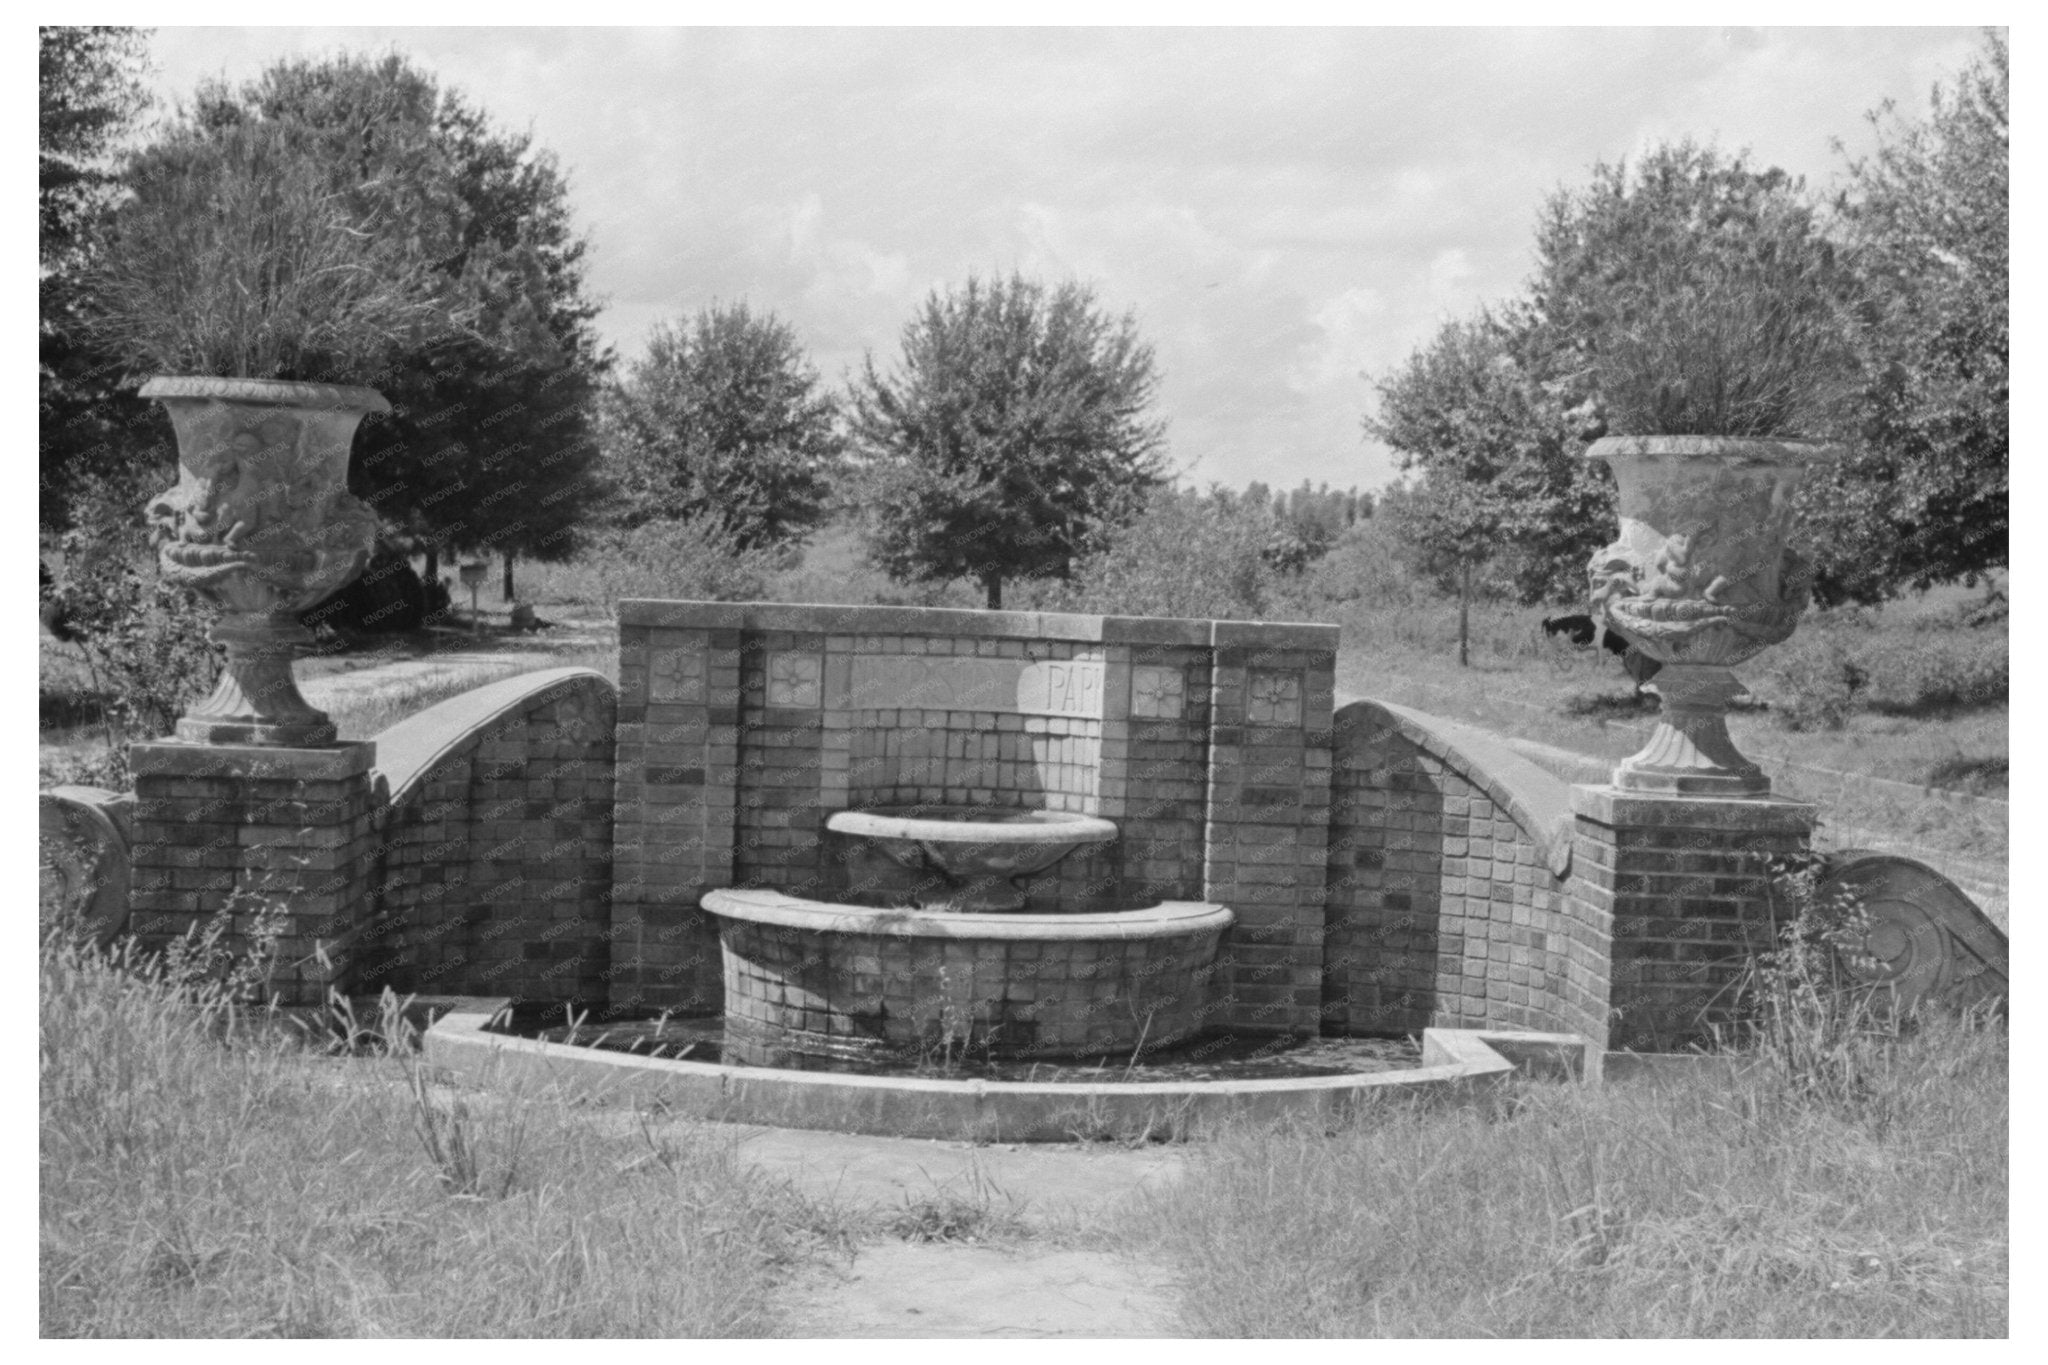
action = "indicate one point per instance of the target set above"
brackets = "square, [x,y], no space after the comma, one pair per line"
[246,831]
[1686,882]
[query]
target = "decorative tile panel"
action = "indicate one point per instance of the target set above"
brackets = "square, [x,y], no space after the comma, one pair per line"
[1274,697]
[1157,693]
[795,679]
[676,675]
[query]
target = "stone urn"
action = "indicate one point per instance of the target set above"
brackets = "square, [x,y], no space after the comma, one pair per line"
[1700,580]
[262,522]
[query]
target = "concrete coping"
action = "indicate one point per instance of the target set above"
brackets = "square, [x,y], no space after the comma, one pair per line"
[1456,1063]
[409,750]
[1536,800]
[1168,919]
[817,618]
[1616,808]
[252,762]
[992,826]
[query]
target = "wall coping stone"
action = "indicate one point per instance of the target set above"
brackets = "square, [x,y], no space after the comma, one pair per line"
[1610,806]
[252,762]
[1536,800]
[410,749]
[954,621]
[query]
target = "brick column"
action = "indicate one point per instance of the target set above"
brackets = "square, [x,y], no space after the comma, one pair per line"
[674,821]
[1268,829]
[247,831]
[1686,884]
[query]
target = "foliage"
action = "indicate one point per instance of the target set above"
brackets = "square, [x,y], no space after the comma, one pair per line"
[1011,438]
[1479,414]
[1820,688]
[90,83]
[1689,289]
[90,95]
[204,1172]
[684,559]
[489,442]
[1701,1204]
[1719,349]
[1826,1032]
[1186,554]
[1925,497]
[723,420]
[237,255]
[143,641]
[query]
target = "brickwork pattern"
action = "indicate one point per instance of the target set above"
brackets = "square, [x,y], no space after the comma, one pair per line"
[1443,909]
[793,998]
[1686,884]
[1155,780]
[676,819]
[494,868]
[1267,827]
[243,831]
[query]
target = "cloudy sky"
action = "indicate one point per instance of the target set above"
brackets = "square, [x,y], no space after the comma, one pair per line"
[1286,211]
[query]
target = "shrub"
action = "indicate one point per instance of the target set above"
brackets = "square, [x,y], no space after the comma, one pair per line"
[143,642]
[1185,555]
[1820,686]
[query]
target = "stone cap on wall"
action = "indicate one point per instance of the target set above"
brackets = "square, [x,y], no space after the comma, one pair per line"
[1534,799]
[1025,625]
[410,749]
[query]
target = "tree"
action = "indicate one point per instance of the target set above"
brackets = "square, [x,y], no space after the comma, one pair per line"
[1508,402]
[1479,416]
[90,93]
[723,418]
[1011,438]
[489,443]
[1925,497]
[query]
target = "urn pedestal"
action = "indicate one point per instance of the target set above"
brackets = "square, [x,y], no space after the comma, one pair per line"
[262,522]
[1700,580]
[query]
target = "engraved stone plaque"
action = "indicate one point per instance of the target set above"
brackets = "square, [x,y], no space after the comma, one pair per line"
[1015,686]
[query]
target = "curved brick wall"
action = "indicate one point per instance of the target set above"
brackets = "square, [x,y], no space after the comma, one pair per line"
[493,860]
[1448,897]
[807,983]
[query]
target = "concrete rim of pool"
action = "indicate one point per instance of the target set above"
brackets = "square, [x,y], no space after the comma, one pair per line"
[1457,1064]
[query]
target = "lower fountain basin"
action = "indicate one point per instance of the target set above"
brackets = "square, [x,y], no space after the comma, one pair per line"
[971,859]
[808,982]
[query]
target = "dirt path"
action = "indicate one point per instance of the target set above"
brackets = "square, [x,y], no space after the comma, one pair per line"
[1039,1217]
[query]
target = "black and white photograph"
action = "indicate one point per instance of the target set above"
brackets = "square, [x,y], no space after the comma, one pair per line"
[1056,676]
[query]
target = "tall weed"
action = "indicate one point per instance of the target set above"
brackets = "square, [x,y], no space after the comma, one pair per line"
[204,1174]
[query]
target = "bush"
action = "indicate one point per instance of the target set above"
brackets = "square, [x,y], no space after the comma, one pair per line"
[1819,687]
[683,559]
[144,643]
[1185,555]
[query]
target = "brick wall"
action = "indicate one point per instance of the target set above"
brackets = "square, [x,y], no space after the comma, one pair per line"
[1448,902]
[493,862]
[247,832]
[1685,884]
[1268,826]
[837,708]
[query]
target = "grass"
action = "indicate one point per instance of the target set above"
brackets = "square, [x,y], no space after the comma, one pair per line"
[205,1175]
[1692,1206]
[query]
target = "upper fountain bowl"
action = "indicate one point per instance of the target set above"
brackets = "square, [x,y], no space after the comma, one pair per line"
[964,858]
